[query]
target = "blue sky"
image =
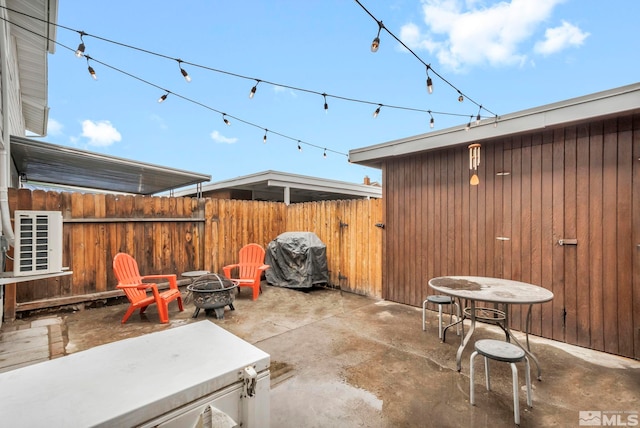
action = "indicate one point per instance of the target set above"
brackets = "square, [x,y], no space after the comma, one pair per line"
[507,56]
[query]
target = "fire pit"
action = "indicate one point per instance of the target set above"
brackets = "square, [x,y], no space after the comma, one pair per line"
[212,292]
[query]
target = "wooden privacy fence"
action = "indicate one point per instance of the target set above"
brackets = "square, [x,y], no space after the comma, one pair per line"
[175,235]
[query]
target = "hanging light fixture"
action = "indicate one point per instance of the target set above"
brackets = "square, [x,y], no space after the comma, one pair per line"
[377,112]
[461,97]
[163,97]
[376,42]
[468,127]
[326,106]
[80,50]
[299,147]
[264,139]
[254,89]
[324,155]
[474,161]
[478,116]
[429,81]
[431,121]
[92,72]
[183,71]
[225,120]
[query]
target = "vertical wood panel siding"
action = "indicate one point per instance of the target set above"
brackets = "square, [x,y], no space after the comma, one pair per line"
[578,182]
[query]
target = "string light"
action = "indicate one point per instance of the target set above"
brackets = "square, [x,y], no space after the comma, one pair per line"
[431,121]
[80,50]
[376,42]
[167,92]
[495,122]
[429,81]
[183,71]
[326,106]
[264,139]
[461,95]
[324,155]
[254,89]
[299,147]
[466,128]
[92,72]
[478,116]
[377,112]
[225,120]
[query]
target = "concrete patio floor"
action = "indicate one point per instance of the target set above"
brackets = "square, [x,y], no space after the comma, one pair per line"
[343,360]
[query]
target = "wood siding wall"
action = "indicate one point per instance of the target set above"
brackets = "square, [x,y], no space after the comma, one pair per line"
[579,182]
[175,235]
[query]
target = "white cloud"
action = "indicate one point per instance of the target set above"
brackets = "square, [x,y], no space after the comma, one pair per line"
[462,34]
[101,133]
[559,38]
[54,127]
[219,138]
[281,89]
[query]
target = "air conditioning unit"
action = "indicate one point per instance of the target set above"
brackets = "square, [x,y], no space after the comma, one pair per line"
[38,242]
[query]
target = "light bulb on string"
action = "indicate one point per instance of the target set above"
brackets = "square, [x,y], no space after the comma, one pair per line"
[183,71]
[431,121]
[324,155]
[461,97]
[81,47]
[376,42]
[264,139]
[299,147]
[92,72]
[429,82]
[377,112]
[225,120]
[495,122]
[466,128]
[326,106]
[163,97]
[478,116]
[254,89]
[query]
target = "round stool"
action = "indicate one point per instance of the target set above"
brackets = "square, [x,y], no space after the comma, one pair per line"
[505,352]
[441,300]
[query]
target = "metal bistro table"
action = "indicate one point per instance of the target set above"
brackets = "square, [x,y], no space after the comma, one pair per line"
[494,290]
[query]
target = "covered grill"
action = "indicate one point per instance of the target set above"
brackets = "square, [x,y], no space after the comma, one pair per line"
[297,260]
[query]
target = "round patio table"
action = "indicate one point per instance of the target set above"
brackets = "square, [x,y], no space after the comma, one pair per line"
[505,292]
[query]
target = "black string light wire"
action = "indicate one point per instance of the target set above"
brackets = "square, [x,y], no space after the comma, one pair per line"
[461,96]
[258,81]
[253,89]
[167,92]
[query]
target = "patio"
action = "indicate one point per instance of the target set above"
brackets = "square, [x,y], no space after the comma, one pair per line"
[344,360]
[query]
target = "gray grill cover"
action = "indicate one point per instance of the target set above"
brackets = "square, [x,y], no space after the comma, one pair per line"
[297,260]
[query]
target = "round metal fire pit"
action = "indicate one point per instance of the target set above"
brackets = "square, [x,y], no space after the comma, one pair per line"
[212,292]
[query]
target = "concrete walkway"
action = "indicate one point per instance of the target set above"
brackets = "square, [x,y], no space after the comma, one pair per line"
[342,360]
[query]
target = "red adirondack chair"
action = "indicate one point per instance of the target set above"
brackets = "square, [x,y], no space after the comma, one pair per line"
[131,282]
[250,267]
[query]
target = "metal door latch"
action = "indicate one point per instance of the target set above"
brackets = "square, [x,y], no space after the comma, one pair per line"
[567,242]
[250,376]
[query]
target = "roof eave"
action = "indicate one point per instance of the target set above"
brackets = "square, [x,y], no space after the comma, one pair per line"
[600,105]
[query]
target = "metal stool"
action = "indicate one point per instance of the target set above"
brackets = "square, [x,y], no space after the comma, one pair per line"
[441,300]
[508,353]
